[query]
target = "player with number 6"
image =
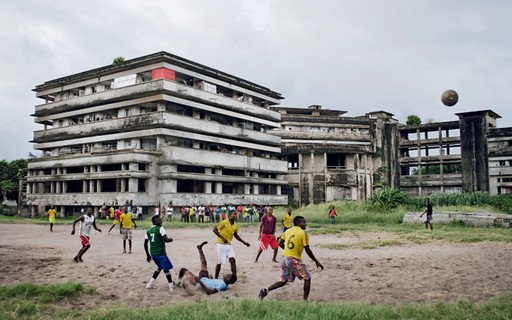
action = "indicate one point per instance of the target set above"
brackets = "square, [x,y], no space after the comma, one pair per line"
[293,242]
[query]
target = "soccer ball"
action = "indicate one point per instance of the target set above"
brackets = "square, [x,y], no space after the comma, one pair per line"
[449,98]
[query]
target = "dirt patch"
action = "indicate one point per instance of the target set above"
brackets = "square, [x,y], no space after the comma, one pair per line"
[391,274]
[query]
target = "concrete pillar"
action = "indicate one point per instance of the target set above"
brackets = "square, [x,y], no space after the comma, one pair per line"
[255,187]
[91,186]
[218,187]
[52,187]
[278,190]
[64,187]
[207,187]
[247,186]
[123,184]
[98,185]
[160,106]
[84,186]
[133,185]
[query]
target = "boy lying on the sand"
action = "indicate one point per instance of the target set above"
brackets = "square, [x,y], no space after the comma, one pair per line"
[189,282]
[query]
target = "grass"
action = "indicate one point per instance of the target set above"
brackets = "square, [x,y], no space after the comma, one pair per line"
[30,301]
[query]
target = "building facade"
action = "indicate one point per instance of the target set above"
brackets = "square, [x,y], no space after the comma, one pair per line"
[330,157]
[152,131]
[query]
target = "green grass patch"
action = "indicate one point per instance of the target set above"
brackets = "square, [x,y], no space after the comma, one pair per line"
[31,301]
[370,244]
[496,308]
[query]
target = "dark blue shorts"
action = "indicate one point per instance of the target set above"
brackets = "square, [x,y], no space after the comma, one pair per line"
[162,262]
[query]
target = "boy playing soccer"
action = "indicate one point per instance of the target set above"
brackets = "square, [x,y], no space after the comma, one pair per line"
[294,241]
[157,237]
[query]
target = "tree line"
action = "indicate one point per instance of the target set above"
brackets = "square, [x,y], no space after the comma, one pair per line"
[10,175]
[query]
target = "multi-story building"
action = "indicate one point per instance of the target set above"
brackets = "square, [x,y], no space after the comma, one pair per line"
[469,155]
[330,157]
[152,131]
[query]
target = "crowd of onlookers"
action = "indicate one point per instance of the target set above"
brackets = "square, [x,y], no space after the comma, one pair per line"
[191,213]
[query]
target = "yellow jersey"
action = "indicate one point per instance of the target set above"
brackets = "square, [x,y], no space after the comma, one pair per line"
[227,230]
[52,213]
[287,221]
[295,239]
[126,220]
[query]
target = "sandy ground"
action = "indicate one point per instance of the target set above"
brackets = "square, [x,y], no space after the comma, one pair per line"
[392,274]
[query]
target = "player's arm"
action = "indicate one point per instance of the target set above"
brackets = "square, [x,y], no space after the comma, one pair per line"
[312,256]
[281,243]
[237,237]
[261,229]
[206,289]
[148,256]
[217,233]
[164,235]
[95,226]
[81,218]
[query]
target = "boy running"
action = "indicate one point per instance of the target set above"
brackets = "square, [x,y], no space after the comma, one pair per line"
[294,241]
[86,222]
[428,211]
[117,215]
[157,237]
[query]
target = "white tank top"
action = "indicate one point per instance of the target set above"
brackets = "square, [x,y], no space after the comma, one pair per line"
[86,225]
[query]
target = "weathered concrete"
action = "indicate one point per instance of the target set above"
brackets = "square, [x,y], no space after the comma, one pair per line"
[475,219]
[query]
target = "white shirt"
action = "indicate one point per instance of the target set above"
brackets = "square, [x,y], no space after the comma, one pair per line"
[86,225]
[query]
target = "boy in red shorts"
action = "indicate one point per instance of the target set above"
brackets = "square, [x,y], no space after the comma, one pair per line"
[86,222]
[267,234]
[294,241]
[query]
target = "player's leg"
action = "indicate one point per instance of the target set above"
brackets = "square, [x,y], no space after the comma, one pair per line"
[232,261]
[112,227]
[275,255]
[285,275]
[130,245]
[156,273]
[258,254]
[202,258]
[307,286]
[82,252]
[217,271]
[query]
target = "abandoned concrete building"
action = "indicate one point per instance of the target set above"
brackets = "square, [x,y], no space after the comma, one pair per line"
[332,157]
[154,131]
[469,155]
[162,130]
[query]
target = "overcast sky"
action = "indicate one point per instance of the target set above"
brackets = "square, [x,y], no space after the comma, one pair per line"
[357,56]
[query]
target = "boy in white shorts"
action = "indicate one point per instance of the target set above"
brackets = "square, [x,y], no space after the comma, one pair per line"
[225,231]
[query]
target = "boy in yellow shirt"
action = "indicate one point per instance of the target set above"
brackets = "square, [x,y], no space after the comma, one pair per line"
[127,225]
[51,217]
[225,231]
[294,241]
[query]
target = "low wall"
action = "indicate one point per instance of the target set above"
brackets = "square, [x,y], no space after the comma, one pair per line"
[474,219]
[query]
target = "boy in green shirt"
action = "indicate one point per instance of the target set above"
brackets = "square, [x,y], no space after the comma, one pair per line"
[157,237]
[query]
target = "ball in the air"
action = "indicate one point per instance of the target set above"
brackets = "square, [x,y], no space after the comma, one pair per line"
[449,97]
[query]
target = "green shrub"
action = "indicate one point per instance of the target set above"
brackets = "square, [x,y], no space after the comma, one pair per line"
[389,198]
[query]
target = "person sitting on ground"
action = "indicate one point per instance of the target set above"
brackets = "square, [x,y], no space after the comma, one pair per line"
[210,286]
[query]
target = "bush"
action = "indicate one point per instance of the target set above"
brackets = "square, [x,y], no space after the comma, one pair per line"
[389,198]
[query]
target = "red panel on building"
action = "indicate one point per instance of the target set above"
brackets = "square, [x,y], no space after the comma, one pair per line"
[163,73]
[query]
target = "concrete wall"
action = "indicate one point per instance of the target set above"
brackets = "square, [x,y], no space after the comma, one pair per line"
[474,219]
